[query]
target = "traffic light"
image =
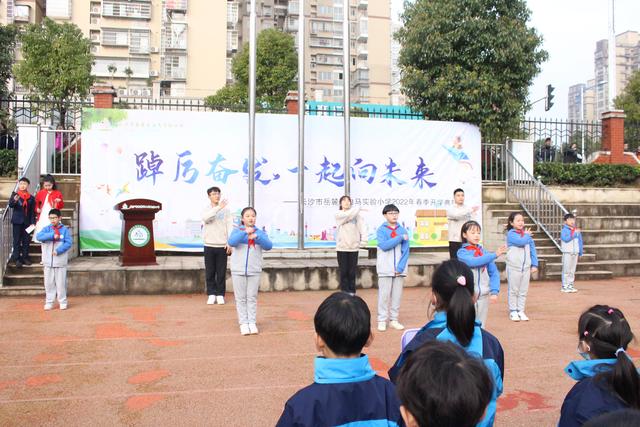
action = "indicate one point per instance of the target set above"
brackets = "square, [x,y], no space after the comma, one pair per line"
[549,101]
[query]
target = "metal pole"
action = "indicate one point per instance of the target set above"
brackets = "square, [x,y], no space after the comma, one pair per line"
[252,103]
[346,79]
[612,56]
[582,88]
[301,108]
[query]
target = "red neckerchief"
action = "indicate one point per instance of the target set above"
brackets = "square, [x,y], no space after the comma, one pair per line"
[251,242]
[520,232]
[24,195]
[573,230]
[393,230]
[477,250]
[56,231]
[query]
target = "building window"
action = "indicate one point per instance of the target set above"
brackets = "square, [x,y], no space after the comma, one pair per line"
[232,13]
[325,76]
[21,13]
[232,40]
[58,8]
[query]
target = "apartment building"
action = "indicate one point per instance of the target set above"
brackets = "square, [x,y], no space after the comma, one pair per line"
[370,38]
[582,101]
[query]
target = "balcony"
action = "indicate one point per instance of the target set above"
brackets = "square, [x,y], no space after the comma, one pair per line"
[176,5]
[363,4]
[175,44]
[117,9]
[363,28]
[360,77]
[362,51]
[293,8]
[175,73]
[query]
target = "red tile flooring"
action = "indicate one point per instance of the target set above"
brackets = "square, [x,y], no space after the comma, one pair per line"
[173,360]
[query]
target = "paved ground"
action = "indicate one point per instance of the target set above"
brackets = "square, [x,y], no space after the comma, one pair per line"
[172,360]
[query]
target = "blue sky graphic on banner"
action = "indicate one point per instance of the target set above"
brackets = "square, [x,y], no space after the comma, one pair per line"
[173,157]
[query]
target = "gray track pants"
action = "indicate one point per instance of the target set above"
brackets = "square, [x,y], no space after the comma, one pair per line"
[569,265]
[55,282]
[518,287]
[245,292]
[389,290]
[482,309]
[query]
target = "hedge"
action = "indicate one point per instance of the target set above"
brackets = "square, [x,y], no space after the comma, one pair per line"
[8,163]
[590,175]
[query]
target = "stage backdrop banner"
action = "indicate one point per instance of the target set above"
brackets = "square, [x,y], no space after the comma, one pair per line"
[173,157]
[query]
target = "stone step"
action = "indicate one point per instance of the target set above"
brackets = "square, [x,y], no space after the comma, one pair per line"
[608,222]
[597,209]
[25,269]
[22,291]
[503,206]
[557,258]
[547,249]
[584,275]
[619,251]
[26,279]
[555,267]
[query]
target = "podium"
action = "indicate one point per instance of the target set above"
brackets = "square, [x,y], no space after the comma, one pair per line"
[137,245]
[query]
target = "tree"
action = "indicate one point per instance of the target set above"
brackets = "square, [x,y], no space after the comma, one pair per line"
[276,71]
[469,60]
[7,47]
[111,68]
[57,63]
[629,101]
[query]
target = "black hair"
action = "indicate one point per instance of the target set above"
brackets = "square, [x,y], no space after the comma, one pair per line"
[341,199]
[55,212]
[569,215]
[458,190]
[248,208]
[441,385]
[512,217]
[213,190]
[25,179]
[390,208]
[547,139]
[51,179]
[343,322]
[619,418]
[605,330]
[456,299]
[466,226]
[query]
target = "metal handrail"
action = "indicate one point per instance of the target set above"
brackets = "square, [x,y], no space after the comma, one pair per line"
[493,163]
[536,200]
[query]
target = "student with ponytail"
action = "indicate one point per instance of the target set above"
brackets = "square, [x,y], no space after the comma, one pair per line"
[607,378]
[454,321]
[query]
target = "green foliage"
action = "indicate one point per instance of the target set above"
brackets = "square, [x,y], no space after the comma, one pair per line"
[590,175]
[276,71]
[469,60]
[629,100]
[57,62]
[67,162]
[8,163]
[7,45]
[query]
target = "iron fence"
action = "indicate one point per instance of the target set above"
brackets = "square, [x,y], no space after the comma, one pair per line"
[632,136]
[63,149]
[494,166]
[28,111]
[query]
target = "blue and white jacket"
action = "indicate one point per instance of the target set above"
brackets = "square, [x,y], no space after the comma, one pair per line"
[49,244]
[482,344]
[486,276]
[393,252]
[591,396]
[570,244]
[345,392]
[521,251]
[247,260]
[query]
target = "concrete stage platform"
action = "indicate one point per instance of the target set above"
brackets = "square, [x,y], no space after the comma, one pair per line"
[172,360]
[100,275]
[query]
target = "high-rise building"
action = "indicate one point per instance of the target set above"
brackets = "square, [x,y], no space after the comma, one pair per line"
[370,38]
[582,101]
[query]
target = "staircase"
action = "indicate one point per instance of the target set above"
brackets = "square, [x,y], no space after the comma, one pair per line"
[29,280]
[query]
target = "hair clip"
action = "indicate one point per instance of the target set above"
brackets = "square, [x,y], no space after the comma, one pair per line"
[620,350]
[610,311]
[462,281]
[586,333]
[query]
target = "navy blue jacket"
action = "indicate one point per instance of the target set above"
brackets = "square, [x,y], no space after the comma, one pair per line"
[482,344]
[18,210]
[345,392]
[591,396]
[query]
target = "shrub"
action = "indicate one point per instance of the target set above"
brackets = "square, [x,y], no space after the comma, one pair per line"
[8,163]
[590,175]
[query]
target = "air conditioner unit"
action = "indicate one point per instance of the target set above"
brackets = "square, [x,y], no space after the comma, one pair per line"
[122,92]
[154,73]
[154,49]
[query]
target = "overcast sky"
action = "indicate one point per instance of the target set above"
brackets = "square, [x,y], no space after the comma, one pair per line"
[570,29]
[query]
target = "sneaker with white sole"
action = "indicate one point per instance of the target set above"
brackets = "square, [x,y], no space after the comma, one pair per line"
[523,316]
[220,299]
[572,289]
[382,326]
[514,316]
[211,300]
[244,329]
[63,306]
[253,329]
[48,306]
[394,324]
[565,289]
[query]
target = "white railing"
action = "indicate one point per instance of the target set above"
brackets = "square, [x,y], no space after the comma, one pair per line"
[536,200]
[494,166]
[120,9]
[62,151]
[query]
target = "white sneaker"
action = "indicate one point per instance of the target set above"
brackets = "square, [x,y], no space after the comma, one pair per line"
[244,329]
[48,306]
[253,329]
[211,300]
[219,299]
[63,306]
[394,324]
[514,316]
[565,289]
[382,326]
[572,289]
[523,316]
